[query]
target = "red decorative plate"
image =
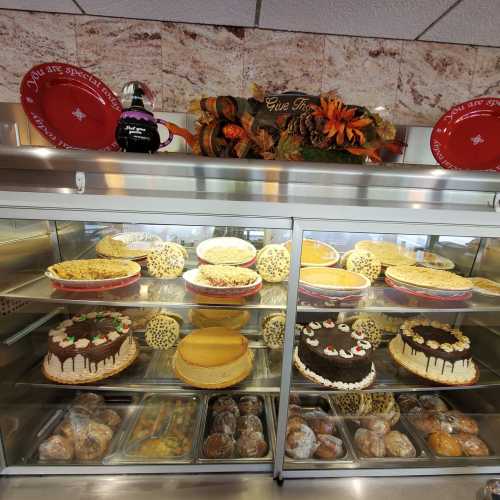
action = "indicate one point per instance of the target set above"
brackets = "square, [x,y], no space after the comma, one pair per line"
[70,107]
[466,137]
[460,297]
[117,284]
[326,298]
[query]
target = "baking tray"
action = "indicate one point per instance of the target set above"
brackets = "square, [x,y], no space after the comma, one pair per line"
[123,404]
[488,432]
[124,449]
[310,402]
[268,425]
[421,449]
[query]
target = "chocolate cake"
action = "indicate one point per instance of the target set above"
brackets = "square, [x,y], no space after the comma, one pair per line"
[89,347]
[335,355]
[434,351]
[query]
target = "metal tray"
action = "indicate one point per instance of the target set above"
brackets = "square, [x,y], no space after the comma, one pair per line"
[123,404]
[422,451]
[124,449]
[310,402]
[266,419]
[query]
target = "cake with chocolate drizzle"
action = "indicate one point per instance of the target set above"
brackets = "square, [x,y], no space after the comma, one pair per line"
[89,347]
[335,355]
[434,351]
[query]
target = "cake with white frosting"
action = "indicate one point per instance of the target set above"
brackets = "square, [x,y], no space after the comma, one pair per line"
[89,347]
[434,351]
[335,355]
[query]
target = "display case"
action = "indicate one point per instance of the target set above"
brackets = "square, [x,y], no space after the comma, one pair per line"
[358,360]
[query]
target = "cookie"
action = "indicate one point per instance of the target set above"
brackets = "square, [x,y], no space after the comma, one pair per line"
[167,262]
[273,263]
[383,403]
[365,263]
[162,331]
[353,403]
[369,328]
[273,330]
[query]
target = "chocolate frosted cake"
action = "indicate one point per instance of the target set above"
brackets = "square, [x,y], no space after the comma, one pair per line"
[335,355]
[434,351]
[89,347]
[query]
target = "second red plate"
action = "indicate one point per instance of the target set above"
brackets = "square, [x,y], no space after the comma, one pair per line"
[466,137]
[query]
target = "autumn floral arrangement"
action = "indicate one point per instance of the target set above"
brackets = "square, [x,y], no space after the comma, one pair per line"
[290,126]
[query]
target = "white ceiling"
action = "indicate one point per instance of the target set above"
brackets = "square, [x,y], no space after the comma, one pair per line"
[456,21]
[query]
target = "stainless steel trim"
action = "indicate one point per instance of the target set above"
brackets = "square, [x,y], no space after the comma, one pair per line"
[182,165]
[286,365]
[32,326]
[54,239]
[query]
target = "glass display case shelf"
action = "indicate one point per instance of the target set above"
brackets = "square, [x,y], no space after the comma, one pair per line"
[147,292]
[152,292]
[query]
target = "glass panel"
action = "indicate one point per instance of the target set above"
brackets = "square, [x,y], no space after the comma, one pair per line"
[133,360]
[396,354]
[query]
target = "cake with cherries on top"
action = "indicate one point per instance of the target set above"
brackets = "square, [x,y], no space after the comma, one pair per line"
[335,355]
[89,347]
[434,351]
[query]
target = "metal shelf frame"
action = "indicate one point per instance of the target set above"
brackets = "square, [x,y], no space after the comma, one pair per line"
[39,183]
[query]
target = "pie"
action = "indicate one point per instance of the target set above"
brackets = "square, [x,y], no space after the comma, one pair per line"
[331,277]
[226,250]
[388,253]
[94,269]
[430,259]
[486,286]
[316,253]
[429,278]
[226,276]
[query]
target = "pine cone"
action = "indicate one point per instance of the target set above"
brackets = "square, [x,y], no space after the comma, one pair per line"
[319,140]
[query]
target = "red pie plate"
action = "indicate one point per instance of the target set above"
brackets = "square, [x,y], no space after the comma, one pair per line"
[117,284]
[460,297]
[466,137]
[70,107]
[246,293]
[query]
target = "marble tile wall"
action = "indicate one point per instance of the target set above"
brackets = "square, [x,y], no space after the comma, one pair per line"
[411,82]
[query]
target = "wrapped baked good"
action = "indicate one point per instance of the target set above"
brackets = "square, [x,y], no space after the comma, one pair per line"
[472,445]
[433,402]
[91,440]
[251,445]
[250,405]
[294,409]
[320,422]
[378,425]
[109,417]
[408,402]
[219,445]
[301,443]
[330,447]
[225,403]
[65,429]
[427,422]
[56,448]
[224,422]
[444,444]
[369,443]
[295,422]
[248,423]
[398,444]
[88,401]
[460,422]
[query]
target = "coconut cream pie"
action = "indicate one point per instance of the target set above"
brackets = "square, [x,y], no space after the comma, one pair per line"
[434,351]
[335,355]
[89,347]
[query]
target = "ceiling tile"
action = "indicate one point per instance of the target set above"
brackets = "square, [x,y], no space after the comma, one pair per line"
[404,19]
[64,6]
[225,12]
[471,21]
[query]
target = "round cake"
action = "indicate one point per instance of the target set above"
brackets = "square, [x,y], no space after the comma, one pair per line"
[434,351]
[273,263]
[213,358]
[89,347]
[335,355]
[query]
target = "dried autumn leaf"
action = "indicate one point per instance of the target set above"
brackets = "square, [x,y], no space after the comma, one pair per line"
[258,92]
[289,147]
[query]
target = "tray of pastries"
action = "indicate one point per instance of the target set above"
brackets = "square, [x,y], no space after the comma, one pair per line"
[376,430]
[314,434]
[237,428]
[162,430]
[448,432]
[84,431]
